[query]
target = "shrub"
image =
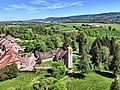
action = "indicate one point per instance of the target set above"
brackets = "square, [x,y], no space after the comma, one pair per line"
[8,72]
[49,83]
[59,69]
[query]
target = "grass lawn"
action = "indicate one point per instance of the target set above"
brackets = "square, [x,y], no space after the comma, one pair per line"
[92,81]
[23,79]
[48,63]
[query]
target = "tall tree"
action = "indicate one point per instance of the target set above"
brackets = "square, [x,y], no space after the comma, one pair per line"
[82,41]
[97,42]
[84,63]
[116,60]
[74,45]
[66,43]
[105,55]
[112,46]
[96,57]
[114,85]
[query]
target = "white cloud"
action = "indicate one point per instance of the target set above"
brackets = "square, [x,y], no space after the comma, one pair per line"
[40,2]
[22,6]
[38,5]
[54,4]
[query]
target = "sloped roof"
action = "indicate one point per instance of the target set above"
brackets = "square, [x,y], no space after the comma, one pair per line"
[9,37]
[1,35]
[10,56]
[12,45]
[4,42]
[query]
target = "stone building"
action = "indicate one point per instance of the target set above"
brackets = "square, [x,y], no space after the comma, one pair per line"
[68,59]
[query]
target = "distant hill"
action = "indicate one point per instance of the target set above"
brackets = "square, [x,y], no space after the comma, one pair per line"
[103,17]
[111,17]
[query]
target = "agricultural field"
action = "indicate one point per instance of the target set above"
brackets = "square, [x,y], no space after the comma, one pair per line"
[117,26]
[23,79]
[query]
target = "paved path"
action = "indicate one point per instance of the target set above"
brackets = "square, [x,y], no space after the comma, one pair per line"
[64,77]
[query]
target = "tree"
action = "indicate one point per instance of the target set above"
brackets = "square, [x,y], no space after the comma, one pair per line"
[114,84]
[66,43]
[114,29]
[97,43]
[74,46]
[105,41]
[49,43]
[9,72]
[55,41]
[29,46]
[49,83]
[105,55]
[84,63]
[40,45]
[82,41]
[109,28]
[112,46]
[59,69]
[116,60]
[96,57]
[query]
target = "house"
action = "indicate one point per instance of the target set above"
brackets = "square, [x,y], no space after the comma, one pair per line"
[11,56]
[4,42]
[43,56]
[7,40]
[58,54]
[2,35]
[8,43]
[10,38]
[30,61]
[14,46]
[93,25]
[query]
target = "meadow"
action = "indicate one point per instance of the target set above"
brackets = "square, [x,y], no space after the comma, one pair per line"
[92,81]
[24,79]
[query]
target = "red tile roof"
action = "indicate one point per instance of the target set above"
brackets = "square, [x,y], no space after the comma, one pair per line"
[1,35]
[9,57]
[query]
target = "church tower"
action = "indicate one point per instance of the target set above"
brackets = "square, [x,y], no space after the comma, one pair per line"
[69,59]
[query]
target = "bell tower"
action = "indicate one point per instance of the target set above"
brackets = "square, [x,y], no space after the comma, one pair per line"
[70,59]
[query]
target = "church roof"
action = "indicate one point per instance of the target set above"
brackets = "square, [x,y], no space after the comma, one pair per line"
[10,56]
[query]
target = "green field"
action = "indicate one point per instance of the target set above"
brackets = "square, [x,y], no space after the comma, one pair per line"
[117,26]
[23,79]
[92,81]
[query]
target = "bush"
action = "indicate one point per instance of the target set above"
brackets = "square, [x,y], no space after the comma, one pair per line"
[49,83]
[59,69]
[9,72]
[114,85]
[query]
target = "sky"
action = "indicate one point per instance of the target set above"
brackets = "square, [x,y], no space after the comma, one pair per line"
[11,10]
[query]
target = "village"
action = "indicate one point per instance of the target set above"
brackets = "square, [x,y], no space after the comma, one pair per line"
[10,53]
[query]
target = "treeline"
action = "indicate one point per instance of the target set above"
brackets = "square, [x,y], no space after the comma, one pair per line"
[94,32]
[40,36]
[28,32]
